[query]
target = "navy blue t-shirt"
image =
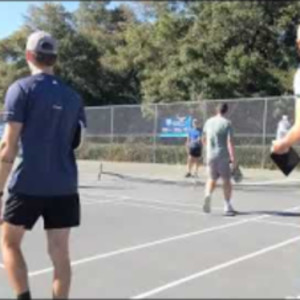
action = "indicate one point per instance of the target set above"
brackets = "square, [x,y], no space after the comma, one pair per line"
[50,112]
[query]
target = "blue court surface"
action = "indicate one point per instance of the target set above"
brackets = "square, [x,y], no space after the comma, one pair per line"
[151,240]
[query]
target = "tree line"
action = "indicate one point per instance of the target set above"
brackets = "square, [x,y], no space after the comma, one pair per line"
[152,52]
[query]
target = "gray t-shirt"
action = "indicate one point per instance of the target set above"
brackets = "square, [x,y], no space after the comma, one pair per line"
[217,130]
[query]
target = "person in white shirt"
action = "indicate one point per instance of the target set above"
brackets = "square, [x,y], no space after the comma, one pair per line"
[283,127]
[293,135]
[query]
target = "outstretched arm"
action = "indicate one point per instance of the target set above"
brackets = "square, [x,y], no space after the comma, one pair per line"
[293,135]
[230,146]
[8,153]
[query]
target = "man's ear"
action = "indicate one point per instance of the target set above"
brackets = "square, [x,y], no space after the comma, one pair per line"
[30,56]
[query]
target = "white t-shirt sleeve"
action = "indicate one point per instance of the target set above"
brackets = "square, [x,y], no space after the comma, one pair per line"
[297,83]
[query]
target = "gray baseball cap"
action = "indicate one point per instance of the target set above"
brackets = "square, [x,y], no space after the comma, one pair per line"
[41,42]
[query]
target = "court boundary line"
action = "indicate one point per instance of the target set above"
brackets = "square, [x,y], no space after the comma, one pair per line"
[118,197]
[93,202]
[146,205]
[155,207]
[159,202]
[167,206]
[215,268]
[157,242]
[124,199]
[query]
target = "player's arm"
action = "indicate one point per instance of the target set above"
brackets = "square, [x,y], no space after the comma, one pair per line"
[230,145]
[14,116]
[8,150]
[79,138]
[200,136]
[293,135]
[203,136]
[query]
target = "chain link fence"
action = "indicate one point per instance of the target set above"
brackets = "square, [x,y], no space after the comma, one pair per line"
[137,132]
[157,132]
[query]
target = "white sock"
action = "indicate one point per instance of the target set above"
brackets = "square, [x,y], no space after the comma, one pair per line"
[228,205]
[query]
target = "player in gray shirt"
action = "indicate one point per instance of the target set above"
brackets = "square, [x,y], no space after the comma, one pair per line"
[218,139]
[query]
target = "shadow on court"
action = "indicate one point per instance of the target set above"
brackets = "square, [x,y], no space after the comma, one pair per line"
[269,213]
[110,188]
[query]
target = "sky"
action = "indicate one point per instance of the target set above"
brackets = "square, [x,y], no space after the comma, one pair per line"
[12,13]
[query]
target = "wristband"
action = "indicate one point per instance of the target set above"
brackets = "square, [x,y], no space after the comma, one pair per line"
[1,194]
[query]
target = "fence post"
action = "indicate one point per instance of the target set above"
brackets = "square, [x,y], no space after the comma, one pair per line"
[264,134]
[155,132]
[204,111]
[112,115]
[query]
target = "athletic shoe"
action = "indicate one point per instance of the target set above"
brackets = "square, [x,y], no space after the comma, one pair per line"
[206,205]
[230,212]
[187,175]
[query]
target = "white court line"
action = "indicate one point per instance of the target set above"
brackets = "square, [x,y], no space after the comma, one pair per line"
[216,268]
[278,223]
[123,200]
[91,202]
[164,202]
[98,195]
[169,209]
[157,242]
[148,200]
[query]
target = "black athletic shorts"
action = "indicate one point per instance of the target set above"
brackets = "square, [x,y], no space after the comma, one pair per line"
[57,211]
[195,151]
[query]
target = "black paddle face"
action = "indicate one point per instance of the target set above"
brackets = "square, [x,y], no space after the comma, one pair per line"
[286,162]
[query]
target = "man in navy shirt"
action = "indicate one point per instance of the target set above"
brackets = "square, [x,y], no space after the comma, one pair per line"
[194,148]
[42,115]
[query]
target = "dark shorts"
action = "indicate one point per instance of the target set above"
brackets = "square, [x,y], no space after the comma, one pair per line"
[195,151]
[57,211]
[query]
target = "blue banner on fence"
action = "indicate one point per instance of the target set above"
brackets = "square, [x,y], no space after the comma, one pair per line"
[177,126]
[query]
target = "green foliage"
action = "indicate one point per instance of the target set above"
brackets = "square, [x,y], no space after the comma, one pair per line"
[248,157]
[164,51]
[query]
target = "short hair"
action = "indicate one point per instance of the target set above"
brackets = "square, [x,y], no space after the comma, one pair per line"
[222,108]
[46,60]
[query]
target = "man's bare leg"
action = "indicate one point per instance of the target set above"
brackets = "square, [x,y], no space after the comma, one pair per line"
[209,188]
[13,259]
[197,165]
[227,189]
[58,248]
[189,166]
